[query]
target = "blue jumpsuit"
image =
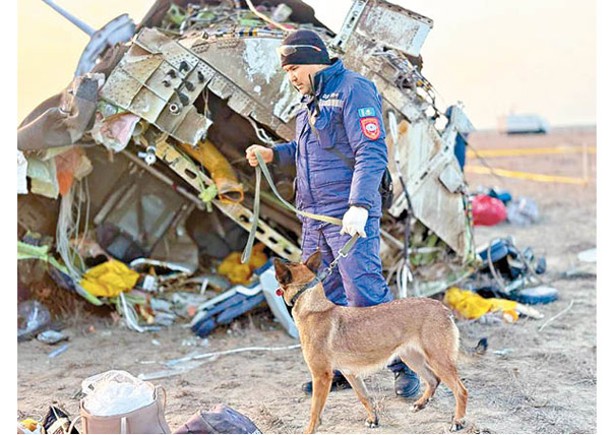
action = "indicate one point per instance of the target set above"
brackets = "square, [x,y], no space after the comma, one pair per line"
[340,156]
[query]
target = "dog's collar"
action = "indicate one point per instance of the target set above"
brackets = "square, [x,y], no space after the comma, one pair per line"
[318,278]
[306,287]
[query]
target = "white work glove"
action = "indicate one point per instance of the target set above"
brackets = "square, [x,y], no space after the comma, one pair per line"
[354,221]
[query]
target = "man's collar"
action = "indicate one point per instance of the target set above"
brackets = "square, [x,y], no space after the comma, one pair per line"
[320,78]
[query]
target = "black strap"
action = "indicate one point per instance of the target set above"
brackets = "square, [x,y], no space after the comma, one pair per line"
[327,271]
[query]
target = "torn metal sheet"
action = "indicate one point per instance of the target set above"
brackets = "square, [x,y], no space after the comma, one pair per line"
[67,121]
[387,24]
[159,81]
[21,173]
[425,162]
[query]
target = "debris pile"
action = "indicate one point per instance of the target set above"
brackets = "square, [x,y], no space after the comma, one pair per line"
[154,195]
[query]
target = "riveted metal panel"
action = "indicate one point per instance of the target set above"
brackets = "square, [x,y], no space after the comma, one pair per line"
[240,103]
[147,104]
[140,67]
[120,88]
[192,128]
[161,82]
[171,116]
[221,87]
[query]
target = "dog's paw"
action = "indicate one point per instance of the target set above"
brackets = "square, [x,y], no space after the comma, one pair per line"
[372,423]
[457,425]
[416,407]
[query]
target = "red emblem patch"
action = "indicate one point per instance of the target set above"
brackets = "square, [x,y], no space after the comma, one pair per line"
[370,127]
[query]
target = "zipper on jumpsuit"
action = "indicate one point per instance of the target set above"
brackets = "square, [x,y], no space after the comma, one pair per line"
[306,160]
[304,130]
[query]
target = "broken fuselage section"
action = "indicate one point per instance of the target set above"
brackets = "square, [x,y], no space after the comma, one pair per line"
[201,81]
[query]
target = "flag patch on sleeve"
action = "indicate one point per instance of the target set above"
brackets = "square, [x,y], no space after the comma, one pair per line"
[366,111]
[370,127]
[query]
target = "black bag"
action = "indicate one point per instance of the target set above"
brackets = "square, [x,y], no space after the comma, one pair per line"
[386,190]
[220,419]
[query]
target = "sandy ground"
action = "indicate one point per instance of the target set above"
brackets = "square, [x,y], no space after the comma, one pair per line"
[529,380]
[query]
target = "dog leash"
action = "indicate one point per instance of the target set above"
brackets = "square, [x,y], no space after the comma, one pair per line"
[262,168]
[324,274]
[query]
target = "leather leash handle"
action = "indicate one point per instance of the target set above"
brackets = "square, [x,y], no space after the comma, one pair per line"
[269,179]
[247,251]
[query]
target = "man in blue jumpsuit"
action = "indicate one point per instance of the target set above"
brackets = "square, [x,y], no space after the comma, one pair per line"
[340,156]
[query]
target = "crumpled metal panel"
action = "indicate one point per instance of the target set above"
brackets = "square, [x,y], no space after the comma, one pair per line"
[194,125]
[252,64]
[173,53]
[394,26]
[147,104]
[257,87]
[159,80]
[424,161]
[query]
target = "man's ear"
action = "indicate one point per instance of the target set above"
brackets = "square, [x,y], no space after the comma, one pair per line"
[282,271]
[314,261]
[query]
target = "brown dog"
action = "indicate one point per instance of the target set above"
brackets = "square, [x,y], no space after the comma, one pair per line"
[359,341]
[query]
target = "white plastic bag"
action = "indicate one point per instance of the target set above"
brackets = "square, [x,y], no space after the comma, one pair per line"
[115,392]
[522,211]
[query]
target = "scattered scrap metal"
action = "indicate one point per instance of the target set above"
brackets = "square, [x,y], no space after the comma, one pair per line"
[149,142]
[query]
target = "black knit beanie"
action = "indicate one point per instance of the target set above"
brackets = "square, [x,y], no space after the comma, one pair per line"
[305,55]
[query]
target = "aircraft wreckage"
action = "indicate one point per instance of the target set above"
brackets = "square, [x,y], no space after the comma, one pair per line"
[150,136]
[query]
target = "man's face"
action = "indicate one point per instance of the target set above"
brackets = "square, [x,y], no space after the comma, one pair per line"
[301,76]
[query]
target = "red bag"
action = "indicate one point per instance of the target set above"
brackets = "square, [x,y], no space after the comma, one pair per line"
[488,211]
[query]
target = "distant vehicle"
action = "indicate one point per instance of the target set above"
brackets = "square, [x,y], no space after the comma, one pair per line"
[523,124]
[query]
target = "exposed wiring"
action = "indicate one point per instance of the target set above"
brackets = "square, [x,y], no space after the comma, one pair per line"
[68,223]
[265,18]
[260,133]
[129,314]
[556,316]
[484,162]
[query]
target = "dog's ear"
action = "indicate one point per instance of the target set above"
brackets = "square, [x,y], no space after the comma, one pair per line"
[314,261]
[282,271]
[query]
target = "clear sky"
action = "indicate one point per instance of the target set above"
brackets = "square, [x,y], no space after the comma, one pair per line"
[497,56]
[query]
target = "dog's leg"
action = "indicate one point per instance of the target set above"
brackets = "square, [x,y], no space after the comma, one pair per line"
[416,361]
[322,381]
[363,396]
[446,370]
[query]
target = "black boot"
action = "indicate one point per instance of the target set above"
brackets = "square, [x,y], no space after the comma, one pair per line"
[406,383]
[339,382]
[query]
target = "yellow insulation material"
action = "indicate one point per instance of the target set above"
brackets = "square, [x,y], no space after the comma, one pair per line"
[220,170]
[238,273]
[109,279]
[473,306]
